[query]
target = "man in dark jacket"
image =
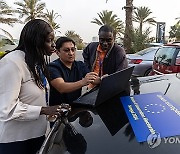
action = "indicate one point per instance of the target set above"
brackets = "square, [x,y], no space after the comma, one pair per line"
[105,56]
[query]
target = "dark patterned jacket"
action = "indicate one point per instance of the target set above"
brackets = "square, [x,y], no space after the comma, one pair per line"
[114,61]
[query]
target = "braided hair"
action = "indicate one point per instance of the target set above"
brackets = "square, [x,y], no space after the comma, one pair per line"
[32,42]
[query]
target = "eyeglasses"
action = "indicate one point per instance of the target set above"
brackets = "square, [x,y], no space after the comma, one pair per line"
[73,49]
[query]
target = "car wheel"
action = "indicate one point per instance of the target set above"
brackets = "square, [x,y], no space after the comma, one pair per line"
[147,72]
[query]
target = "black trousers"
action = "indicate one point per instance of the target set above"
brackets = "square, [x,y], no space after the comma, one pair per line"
[30,146]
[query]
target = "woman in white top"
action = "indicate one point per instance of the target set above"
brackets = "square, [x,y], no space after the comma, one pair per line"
[24,90]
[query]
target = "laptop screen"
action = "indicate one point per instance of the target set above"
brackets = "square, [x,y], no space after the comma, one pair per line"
[114,84]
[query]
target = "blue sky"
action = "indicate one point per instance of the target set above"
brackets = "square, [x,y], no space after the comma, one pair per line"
[77,14]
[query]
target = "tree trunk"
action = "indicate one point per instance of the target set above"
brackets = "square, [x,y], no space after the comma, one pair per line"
[140,28]
[129,27]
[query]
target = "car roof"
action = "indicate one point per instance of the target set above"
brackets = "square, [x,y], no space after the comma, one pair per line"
[172,45]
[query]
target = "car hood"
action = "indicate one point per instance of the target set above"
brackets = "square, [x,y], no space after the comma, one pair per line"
[167,84]
[110,131]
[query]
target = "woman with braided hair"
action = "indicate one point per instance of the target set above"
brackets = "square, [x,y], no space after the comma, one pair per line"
[24,91]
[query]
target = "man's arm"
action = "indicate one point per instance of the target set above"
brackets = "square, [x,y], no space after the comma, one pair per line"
[86,57]
[67,87]
[89,54]
[121,60]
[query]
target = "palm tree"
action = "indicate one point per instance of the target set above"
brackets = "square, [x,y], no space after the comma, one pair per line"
[71,34]
[32,9]
[6,14]
[127,42]
[77,39]
[128,37]
[178,18]
[141,16]
[51,17]
[175,31]
[140,41]
[108,18]
[7,33]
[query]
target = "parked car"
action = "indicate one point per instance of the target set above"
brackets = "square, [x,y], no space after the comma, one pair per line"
[176,42]
[142,61]
[110,131]
[154,44]
[167,60]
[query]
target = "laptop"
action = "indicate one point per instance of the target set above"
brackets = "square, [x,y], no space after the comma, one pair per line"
[110,86]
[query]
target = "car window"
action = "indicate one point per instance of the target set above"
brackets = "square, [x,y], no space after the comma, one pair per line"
[165,55]
[178,55]
[146,51]
[178,58]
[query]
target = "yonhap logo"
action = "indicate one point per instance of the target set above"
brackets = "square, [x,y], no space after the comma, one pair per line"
[154,140]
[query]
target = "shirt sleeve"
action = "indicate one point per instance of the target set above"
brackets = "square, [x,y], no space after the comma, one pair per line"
[86,57]
[54,72]
[11,108]
[121,60]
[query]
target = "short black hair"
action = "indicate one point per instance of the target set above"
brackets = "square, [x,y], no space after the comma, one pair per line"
[63,39]
[106,28]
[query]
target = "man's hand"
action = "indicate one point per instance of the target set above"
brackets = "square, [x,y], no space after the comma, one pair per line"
[98,79]
[89,78]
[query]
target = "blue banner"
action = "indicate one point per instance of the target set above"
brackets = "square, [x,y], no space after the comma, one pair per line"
[152,113]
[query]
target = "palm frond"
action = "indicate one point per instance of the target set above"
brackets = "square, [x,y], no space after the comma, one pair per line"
[7,33]
[108,18]
[30,9]
[6,14]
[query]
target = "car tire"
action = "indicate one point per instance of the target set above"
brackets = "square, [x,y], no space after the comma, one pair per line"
[148,72]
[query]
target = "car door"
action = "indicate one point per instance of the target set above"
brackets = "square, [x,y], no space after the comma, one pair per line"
[177,62]
[164,60]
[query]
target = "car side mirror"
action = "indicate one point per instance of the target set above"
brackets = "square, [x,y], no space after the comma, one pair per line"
[177,61]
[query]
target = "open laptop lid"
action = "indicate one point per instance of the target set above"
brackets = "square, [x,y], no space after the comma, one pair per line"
[113,84]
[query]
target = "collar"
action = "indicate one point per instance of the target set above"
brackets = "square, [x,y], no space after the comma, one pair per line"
[72,67]
[99,49]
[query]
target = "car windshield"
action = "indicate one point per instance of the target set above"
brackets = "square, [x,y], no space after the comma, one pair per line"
[145,51]
[164,55]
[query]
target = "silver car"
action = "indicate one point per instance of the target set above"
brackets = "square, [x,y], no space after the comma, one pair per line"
[142,61]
